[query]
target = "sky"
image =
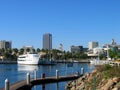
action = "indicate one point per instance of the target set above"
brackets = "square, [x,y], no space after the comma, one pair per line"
[71,22]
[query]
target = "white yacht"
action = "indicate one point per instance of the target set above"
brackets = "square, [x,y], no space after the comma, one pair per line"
[29,58]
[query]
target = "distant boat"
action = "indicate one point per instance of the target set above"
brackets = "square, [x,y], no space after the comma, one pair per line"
[95,61]
[29,58]
[98,62]
[47,61]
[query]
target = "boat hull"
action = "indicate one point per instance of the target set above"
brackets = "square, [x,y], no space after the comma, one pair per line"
[98,62]
[28,62]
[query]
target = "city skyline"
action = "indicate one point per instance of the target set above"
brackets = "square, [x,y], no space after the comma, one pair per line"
[70,22]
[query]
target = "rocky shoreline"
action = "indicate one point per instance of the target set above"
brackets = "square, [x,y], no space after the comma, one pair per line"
[94,81]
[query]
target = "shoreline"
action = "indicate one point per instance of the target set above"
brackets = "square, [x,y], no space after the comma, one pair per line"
[101,78]
[57,61]
[8,62]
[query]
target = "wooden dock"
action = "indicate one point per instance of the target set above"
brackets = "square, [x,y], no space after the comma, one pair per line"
[22,85]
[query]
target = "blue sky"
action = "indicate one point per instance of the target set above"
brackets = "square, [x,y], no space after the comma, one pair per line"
[71,22]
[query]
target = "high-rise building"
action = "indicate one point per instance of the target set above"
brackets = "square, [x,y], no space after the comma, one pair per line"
[47,41]
[92,45]
[5,44]
[76,49]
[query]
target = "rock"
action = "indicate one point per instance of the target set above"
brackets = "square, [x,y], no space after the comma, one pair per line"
[94,72]
[117,85]
[73,84]
[115,79]
[81,87]
[90,78]
[68,86]
[73,88]
[86,82]
[108,85]
[115,88]
[102,83]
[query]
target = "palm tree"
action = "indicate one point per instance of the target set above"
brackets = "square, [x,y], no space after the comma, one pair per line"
[54,54]
[38,50]
[43,50]
[21,51]
[27,50]
[33,50]
[15,51]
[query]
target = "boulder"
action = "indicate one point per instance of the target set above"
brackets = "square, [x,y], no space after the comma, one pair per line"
[108,85]
[115,88]
[73,88]
[115,79]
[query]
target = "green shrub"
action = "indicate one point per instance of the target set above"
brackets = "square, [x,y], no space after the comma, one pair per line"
[109,71]
[107,66]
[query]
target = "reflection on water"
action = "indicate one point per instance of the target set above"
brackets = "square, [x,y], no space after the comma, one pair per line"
[27,67]
[53,86]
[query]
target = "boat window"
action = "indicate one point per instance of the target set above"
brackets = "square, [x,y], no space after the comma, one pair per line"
[35,55]
[21,57]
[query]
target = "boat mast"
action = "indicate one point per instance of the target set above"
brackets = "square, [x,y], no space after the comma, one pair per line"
[108,57]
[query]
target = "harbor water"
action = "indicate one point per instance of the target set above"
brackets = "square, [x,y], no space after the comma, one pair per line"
[15,73]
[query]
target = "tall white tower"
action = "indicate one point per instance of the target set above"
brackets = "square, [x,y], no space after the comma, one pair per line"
[61,47]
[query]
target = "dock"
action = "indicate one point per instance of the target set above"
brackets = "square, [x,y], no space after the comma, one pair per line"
[29,83]
[22,85]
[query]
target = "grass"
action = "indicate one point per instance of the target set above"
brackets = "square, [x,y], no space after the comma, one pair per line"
[109,71]
[104,72]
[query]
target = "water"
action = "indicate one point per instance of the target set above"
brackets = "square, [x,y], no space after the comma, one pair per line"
[14,73]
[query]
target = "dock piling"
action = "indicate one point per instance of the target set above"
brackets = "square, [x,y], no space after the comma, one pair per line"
[82,71]
[35,74]
[57,74]
[6,84]
[43,75]
[28,78]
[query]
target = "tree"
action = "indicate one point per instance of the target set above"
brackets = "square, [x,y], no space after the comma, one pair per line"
[7,55]
[21,51]
[33,50]
[54,54]
[38,50]
[15,50]
[111,54]
[27,50]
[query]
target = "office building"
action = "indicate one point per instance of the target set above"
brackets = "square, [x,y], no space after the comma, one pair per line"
[92,45]
[76,49]
[30,48]
[47,41]
[5,44]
